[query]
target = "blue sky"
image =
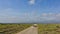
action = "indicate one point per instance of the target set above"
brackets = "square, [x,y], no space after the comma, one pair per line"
[23,11]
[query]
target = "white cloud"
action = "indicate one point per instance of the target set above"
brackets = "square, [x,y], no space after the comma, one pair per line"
[50,16]
[44,14]
[58,15]
[11,15]
[31,2]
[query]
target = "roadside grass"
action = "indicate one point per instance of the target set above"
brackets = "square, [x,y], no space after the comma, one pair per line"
[42,28]
[13,28]
[48,28]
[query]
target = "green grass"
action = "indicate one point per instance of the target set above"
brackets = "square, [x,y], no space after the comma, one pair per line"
[13,28]
[49,28]
[42,28]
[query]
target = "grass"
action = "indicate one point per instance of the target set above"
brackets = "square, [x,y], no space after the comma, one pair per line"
[13,28]
[42,28]
[49,28]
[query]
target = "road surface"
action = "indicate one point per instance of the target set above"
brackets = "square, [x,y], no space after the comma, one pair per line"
[30,30]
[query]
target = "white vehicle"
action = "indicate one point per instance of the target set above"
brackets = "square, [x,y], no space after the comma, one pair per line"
[35,25]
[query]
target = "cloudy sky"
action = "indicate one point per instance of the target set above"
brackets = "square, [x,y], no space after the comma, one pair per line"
[23,11]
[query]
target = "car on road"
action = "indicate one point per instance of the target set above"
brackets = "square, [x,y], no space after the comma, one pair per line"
[35,25]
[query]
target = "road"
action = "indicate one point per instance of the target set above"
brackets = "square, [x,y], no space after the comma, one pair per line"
[30,30]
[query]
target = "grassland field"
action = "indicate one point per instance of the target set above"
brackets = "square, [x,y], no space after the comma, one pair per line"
[13,28]
[42,28]
[48,28]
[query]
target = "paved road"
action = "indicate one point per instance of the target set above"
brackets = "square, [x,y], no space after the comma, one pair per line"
[30,30]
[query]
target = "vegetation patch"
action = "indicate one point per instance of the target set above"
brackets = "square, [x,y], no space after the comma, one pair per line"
[49,28]
[12,28]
